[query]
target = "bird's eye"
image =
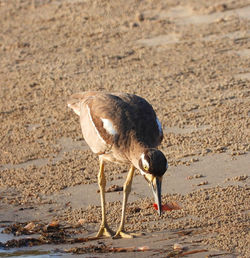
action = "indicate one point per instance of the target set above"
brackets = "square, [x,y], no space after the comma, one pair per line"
[146,167]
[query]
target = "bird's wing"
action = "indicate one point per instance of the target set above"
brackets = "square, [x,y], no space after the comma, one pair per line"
[143,119]
[98,129]
[108,119]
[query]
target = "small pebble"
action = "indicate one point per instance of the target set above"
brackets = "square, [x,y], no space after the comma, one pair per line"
[30,226]
[202,183]
[140,17]
[195,176]
[178,246]
[143,248]
[81,221]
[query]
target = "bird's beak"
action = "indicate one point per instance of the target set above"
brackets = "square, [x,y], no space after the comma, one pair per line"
[156,188]
[155,183]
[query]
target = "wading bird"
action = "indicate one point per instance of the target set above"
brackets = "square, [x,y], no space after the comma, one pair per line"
[122,128]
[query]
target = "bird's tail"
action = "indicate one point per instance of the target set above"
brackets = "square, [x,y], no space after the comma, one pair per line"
[75,100]
[74,103]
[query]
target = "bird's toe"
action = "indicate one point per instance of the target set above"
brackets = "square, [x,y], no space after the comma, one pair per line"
[104,231]
[121,234]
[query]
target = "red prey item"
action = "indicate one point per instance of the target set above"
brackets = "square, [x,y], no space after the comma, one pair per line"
[169,206]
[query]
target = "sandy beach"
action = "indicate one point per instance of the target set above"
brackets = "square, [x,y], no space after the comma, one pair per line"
[190,60]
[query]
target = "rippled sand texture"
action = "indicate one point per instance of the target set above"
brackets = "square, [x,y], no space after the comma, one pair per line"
[189,59]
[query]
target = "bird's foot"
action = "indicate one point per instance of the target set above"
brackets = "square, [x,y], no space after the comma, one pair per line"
[122,234]
[104,230]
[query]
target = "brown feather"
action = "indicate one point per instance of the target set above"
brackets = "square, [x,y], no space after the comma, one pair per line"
[132,116]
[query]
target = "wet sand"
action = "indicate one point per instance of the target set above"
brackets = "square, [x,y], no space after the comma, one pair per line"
[190,60]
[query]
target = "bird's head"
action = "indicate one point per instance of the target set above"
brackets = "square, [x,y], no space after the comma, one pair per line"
[153,164]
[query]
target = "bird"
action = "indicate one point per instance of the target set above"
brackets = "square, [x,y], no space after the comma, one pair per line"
[122,128]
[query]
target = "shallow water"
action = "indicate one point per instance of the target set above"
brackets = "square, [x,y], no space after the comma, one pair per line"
[19,252]
[27,253]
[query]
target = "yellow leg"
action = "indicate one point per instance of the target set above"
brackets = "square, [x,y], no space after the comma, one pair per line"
[126,190]
[104,229]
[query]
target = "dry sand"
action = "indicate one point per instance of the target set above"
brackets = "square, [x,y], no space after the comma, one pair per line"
[189,59]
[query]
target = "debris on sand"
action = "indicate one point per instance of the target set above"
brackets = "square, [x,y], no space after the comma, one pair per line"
[193,252]
[53,225]
[30,226]
[181,252]
[14,243]
[238,178]
[203,183]
[103,248]
[178,246]
[195,176]
[52,233]
[113,188]
[18,229]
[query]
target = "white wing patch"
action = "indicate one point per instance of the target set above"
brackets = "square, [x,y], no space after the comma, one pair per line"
[108,126]
[159,125]
[90,117]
